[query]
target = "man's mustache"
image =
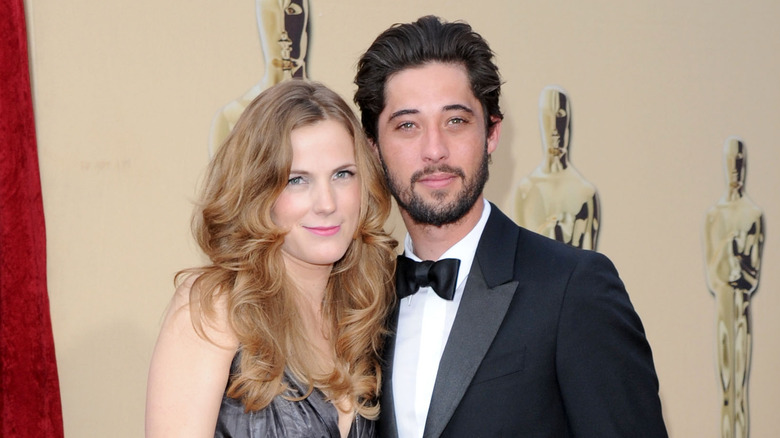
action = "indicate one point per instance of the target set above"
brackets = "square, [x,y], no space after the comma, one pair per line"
[441,168]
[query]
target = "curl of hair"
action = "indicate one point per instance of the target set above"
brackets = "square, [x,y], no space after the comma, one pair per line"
[232,225]
[427,40]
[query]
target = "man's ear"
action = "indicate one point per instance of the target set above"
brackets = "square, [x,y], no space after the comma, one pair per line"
[494,133]
[375,148]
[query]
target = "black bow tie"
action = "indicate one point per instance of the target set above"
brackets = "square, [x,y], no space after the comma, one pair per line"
[442,276]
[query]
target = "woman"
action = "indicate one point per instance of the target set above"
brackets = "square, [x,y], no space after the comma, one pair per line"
[279,335]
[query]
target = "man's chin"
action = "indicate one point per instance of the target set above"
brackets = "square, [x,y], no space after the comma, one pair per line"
[434,213]
[436,198]
[433,204]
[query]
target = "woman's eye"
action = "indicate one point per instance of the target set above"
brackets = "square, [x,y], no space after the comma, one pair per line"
[344,174]
[295,180]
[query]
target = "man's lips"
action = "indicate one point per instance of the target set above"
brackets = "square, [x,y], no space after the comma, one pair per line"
[436,180]
[324,231]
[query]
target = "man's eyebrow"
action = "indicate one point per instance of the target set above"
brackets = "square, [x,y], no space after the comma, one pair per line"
[458,107]
[453,107]
[402,112]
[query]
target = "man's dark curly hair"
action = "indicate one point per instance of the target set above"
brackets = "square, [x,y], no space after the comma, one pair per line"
[427,40]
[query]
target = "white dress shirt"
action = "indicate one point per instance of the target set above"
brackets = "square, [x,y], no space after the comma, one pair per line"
[424,324]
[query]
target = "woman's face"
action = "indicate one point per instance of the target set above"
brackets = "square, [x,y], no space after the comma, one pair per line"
[320,206]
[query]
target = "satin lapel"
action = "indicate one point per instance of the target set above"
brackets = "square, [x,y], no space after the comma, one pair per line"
[387,422]
[480,314]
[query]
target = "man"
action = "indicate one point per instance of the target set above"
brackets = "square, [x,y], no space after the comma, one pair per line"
[539,339]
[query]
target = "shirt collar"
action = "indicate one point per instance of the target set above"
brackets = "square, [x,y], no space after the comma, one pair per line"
[464,249]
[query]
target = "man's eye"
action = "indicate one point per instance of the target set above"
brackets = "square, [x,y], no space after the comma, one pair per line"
[406,125]
[457,121]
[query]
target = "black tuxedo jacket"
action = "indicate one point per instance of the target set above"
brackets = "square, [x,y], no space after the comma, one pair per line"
[545,344]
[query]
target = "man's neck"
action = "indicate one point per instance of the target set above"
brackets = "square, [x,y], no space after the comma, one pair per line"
[430,241]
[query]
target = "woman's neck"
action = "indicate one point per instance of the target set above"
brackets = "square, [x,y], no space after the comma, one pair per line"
[310,280]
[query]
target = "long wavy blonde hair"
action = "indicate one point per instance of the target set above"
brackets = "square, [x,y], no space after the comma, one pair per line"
[233,226]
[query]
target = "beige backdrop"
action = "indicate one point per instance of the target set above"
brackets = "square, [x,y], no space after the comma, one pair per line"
[125,93]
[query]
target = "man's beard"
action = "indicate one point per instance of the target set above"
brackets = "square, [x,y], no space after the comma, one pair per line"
[435,214]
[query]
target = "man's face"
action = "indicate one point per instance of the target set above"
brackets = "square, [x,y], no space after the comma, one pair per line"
[432,141]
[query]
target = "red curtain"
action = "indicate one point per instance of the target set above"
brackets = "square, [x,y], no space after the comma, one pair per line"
[29,388]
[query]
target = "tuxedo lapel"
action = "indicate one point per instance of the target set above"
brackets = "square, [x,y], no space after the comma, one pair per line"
[486,299]
[387,421]
[479,316]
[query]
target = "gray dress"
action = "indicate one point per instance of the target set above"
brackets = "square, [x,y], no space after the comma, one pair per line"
[312,417]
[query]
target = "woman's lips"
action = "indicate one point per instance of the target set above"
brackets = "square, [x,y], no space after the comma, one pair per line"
[324,231]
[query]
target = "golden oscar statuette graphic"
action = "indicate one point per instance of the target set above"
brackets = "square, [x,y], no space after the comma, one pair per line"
[733,241]
[555,200]
[283,27]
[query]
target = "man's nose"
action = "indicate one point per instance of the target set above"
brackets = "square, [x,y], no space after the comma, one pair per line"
[434,146]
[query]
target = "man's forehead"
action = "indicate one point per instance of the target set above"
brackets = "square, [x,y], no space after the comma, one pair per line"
[431,87]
